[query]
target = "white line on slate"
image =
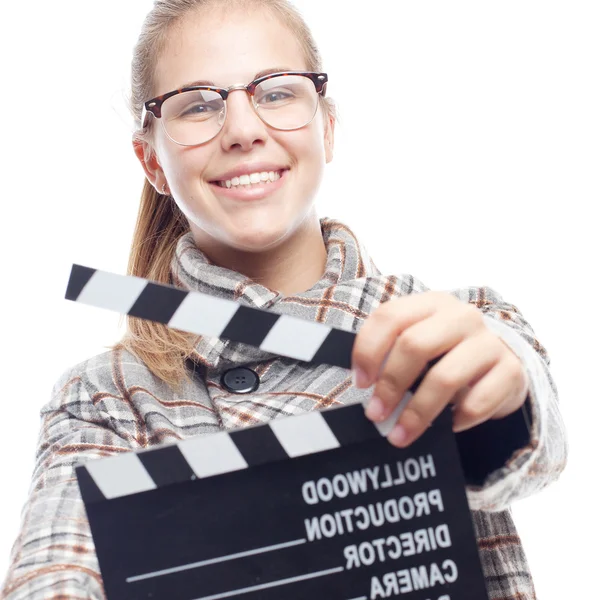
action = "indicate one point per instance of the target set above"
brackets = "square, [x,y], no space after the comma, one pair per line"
[212,561]
[264,586]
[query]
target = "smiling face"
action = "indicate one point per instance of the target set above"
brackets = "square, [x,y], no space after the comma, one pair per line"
[228,50]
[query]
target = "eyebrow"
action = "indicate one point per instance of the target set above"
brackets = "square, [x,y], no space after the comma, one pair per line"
[256,76]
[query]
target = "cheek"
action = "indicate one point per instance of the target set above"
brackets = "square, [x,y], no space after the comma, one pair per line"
[310,154]
[307,147]
[184,166]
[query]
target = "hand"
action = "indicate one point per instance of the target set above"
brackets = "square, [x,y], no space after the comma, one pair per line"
[478,372]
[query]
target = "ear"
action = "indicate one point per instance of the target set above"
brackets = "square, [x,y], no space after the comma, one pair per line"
[329,137]
[149,161]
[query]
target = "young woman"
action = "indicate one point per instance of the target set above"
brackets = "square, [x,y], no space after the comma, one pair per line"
[235,132]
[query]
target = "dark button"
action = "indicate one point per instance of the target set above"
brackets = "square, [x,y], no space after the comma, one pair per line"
[240,380]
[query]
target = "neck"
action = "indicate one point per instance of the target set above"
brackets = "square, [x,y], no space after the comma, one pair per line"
[291,267]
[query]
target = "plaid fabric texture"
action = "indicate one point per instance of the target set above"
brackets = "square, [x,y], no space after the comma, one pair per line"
[111,403]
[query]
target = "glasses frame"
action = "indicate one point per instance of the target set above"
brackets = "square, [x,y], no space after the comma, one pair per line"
[154,106]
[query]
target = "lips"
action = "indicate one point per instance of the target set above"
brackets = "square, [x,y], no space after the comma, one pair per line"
[248,169]
[256,191]
[253,179]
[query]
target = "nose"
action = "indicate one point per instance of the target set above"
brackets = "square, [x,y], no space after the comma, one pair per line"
[242,127]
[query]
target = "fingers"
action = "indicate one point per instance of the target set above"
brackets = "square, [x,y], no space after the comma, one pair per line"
[410,354]
[467,362]
[467,365]
[501,392]
[379,333]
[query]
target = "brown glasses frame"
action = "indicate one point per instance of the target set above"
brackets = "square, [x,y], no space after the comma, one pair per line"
[154,106]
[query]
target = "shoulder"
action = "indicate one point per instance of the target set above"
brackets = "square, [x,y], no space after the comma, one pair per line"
[108,373]
[382,287]
[482,296]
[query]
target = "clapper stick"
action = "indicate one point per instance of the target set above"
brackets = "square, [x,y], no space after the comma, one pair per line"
[203,314]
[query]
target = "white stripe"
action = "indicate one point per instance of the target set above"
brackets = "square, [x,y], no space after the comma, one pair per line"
[212,454]
[203,314]
[295,338]
[304,434]
[120,475]
[114,292]
[219,559]
[271,584]
[386,426]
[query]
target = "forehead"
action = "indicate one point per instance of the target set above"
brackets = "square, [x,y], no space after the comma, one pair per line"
[225,49]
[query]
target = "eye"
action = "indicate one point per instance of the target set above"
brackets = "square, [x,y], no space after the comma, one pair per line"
[197,108]
[200,109]
[272,97]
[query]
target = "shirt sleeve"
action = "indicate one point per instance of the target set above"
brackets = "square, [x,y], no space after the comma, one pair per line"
[54,555]
[508,459]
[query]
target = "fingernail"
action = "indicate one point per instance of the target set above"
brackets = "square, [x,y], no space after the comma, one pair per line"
[398,436]
[375,409]
[359,378]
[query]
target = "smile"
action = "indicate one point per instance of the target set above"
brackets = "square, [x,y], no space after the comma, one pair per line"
[251,179]
[254,186]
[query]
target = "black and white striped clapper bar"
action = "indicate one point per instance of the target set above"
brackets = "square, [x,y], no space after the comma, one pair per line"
[316,506]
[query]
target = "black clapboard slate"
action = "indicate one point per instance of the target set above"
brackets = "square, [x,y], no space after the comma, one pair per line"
[311,526]
[248,513]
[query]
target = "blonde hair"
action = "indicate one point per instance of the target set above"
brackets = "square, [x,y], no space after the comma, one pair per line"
[160,223]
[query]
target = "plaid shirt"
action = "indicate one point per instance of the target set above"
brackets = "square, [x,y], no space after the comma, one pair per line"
[111,403]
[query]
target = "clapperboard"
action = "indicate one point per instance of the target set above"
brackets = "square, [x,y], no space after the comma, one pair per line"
[317,506]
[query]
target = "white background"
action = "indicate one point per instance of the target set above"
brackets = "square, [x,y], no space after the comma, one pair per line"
[468,154]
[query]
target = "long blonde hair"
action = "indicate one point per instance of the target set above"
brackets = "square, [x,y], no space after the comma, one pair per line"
[160,224]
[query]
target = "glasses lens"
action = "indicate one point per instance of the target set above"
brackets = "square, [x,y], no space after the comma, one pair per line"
[193,117]
[286,101]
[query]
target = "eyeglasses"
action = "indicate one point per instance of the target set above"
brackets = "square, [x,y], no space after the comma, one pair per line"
[194,115]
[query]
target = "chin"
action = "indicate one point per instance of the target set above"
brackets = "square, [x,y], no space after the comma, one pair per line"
[244,237]
[262,240]
[255,233]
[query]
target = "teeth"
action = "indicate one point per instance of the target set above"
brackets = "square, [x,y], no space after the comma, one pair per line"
[253,178]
